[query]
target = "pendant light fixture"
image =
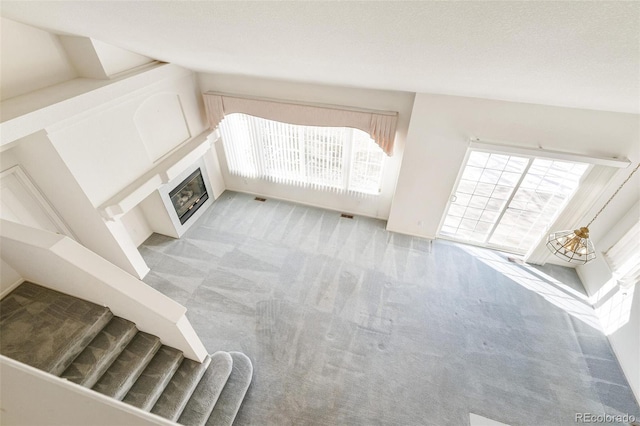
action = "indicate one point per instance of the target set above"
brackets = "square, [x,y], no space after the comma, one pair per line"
[575,246]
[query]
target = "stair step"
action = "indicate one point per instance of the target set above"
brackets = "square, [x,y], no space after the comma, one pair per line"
[58,326]
[226,409]
[126,369]
[180,388]
[154,379]
[205,396]
[86,344]
[103,350]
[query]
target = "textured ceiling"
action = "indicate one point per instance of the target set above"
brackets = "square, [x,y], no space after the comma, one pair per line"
[577,54]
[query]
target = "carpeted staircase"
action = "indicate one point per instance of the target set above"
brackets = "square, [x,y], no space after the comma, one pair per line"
[86,344]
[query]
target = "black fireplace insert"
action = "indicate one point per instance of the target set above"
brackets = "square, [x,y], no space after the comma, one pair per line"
[189,196]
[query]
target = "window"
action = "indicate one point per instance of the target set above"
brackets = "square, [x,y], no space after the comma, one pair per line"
[506,201]
[334,158]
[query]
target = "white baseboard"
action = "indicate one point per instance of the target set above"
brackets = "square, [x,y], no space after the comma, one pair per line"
[11,287]
[303,203]
[399,230]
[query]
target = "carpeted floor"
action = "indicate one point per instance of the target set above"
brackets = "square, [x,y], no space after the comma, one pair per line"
[348,324]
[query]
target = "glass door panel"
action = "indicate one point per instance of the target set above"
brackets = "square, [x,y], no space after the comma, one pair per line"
[508,201]
[487,182]
[541,195]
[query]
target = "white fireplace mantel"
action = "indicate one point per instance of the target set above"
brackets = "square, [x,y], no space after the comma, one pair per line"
[166,169]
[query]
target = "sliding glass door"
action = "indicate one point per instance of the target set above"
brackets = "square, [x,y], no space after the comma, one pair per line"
[507,201]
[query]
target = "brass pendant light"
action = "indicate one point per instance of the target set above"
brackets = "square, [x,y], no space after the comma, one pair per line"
[575,246]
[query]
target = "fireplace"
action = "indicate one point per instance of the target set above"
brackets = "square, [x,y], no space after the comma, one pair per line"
[189,196]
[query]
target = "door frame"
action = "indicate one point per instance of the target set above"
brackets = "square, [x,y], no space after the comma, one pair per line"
[531,154]
[32,190]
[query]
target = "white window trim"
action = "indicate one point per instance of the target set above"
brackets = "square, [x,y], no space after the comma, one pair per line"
[487,148]
[593,185]
[521,151]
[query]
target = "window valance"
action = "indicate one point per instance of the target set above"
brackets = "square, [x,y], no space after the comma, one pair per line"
[380,125]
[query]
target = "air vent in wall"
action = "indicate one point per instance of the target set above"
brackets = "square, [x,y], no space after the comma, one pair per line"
[346,216]
[260,199]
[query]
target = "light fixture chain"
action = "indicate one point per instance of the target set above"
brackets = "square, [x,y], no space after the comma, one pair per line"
[614,194]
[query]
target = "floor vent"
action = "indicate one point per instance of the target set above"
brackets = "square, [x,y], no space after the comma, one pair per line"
[346,216]
[515,260]
[260,199]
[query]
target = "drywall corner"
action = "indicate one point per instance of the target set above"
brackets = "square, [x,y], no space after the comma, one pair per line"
[9,279]
[32,59]
[83,56]
[115,60]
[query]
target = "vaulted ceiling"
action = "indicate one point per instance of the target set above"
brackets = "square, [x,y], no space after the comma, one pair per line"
[576,54]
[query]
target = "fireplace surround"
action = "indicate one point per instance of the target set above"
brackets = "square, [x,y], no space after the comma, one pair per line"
[189,196]
[185,199]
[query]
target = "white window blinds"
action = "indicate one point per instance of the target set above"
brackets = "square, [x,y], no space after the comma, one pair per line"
[624,257]
[341,159]
[380,125]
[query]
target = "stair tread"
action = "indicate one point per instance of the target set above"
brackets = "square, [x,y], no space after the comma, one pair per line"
[86,344]
[59,326]
[98,356]
[147,389]
[230,400]
[205,396]
[180,388]
[126,369]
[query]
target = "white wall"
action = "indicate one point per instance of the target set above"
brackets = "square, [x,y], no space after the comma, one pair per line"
[135,222]
[626,345]
[9,278]
[31,59]
[48,172]
[104,149]
[31,397]
[95,59]
[157,215]
[313,93]
[214,170]
[441,127]
[83,56]
[625,341]
[86,156]
[116,60]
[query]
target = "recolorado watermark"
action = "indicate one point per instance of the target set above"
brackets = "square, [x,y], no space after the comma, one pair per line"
[604,418]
